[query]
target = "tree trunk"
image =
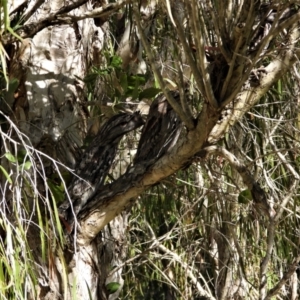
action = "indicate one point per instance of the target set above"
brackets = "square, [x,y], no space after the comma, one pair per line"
[46,119]
[50,108]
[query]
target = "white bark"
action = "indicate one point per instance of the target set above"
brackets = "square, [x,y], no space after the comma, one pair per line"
[49,109]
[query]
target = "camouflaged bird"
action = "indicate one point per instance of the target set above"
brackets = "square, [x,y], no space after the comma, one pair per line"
[95,164]
[160,132]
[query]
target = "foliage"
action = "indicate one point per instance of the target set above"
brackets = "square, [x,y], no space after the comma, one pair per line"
[198,233]
[201,214]
[21,172]
[5,26]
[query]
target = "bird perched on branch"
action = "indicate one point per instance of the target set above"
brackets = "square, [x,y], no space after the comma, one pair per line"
[95,164]
[260,201]
[160,132]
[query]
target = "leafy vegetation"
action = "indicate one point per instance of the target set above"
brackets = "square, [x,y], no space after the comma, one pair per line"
[199,232]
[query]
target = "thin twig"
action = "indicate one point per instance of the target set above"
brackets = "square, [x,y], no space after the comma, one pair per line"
[286,276]
[273,31]
[198,23]
[33,10]
[184,265]
[258,194]
[177,108]
[187,51]
[271,241]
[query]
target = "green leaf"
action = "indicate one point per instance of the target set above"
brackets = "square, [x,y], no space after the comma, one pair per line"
[13,85]
[27,165]
[21,155]
[10,157]
[149,93]
[6,175]
[90,78]
[117,95]
[57,191]
[136,80]
[116,61]
[245,196]
[112,287]
[135,93]
[89,290]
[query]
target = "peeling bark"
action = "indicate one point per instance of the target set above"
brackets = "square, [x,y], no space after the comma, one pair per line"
[60,43]
[49,107]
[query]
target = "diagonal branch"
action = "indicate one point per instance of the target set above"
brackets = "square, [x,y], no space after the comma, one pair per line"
[95,164]
[286,59]
[202,292]
[114,198]
[258,194]
[32,10]
[101,12]
[286,276]
[61,17]
[246,99]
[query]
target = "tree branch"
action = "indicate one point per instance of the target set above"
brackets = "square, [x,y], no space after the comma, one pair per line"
[284,56]
[198,24]
[101,12]
[191,61]
[33,10]
[202,292]
[111,199]
[270,241]
[177,108]
[258,194]
[60,17]
[249,97]
[286,276]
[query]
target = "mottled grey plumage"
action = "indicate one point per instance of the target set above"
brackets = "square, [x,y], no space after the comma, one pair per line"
[260,200]
[95,164]
[161,131]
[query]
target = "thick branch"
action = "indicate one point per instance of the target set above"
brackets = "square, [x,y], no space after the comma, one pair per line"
[114,198]
[61,17]
[101,12]
[249,97]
